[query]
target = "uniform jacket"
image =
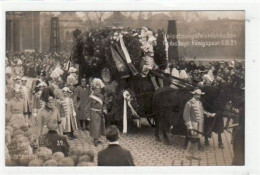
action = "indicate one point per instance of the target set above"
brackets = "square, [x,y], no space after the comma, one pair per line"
[43,116]
[16,110]
[115,155]
[15,106]
[25,91]
[193,115]
[68,115]
[55,142]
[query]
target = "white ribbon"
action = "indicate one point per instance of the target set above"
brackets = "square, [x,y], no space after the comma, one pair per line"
[127,56]
[166,46]
[126,96]
[127,102]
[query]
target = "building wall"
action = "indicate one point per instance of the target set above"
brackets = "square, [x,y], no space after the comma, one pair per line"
[22,31]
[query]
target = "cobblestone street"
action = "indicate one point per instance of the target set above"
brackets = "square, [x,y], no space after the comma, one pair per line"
[148,152]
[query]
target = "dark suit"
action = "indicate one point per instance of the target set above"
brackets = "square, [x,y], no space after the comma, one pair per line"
[55,142]
[115,155]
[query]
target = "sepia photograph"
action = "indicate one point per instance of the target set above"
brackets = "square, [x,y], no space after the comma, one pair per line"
[125,88]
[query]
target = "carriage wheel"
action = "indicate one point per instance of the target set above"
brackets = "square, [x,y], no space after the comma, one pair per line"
[151,121]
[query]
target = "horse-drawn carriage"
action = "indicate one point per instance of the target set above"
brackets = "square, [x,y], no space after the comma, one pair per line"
[102,53]
[105,54]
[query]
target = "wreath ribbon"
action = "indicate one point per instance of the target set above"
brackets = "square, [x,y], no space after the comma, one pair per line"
[127,102]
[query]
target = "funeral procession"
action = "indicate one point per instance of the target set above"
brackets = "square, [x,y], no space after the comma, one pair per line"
[125,88]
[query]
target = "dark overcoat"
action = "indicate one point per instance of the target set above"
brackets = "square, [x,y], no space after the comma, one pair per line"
[115,155]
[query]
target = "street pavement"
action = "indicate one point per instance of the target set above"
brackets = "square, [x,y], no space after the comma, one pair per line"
[148,152]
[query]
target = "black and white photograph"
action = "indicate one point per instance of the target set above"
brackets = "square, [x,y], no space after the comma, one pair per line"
[125,88]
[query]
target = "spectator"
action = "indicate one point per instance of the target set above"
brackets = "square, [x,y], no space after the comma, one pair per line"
[53,140]
[114,154]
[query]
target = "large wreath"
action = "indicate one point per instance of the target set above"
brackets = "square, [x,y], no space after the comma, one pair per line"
[92,49]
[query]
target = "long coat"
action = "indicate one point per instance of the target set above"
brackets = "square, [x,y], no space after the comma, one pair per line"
[68,115]
[94,108]
[194,113]
[26,97]
[81,98]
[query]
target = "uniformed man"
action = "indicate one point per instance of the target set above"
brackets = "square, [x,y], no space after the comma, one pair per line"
[25,91]
[68,114]
[193,116]
[95,109]
[16,109]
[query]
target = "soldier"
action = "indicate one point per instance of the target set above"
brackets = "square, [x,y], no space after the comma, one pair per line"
[15,109]
[68,114]
[81,95]
[193,116]
[25,91]
[95,109]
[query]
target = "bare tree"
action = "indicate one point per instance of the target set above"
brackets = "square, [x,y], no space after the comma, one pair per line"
[99,16]
[90,21]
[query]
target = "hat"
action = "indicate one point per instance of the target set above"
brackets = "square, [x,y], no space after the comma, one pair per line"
[66,89]
[97,82]
[72,70]
[42,84]
[197,91]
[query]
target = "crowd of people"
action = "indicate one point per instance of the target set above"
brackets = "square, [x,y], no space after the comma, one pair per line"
[42,117]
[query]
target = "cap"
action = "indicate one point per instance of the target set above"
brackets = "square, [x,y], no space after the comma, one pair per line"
[66,89]
[197,91]
[42,84]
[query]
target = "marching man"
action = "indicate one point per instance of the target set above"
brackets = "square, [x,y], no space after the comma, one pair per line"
[68,114]
[193,116]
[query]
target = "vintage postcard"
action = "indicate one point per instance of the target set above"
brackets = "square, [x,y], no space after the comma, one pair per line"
[125,88]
